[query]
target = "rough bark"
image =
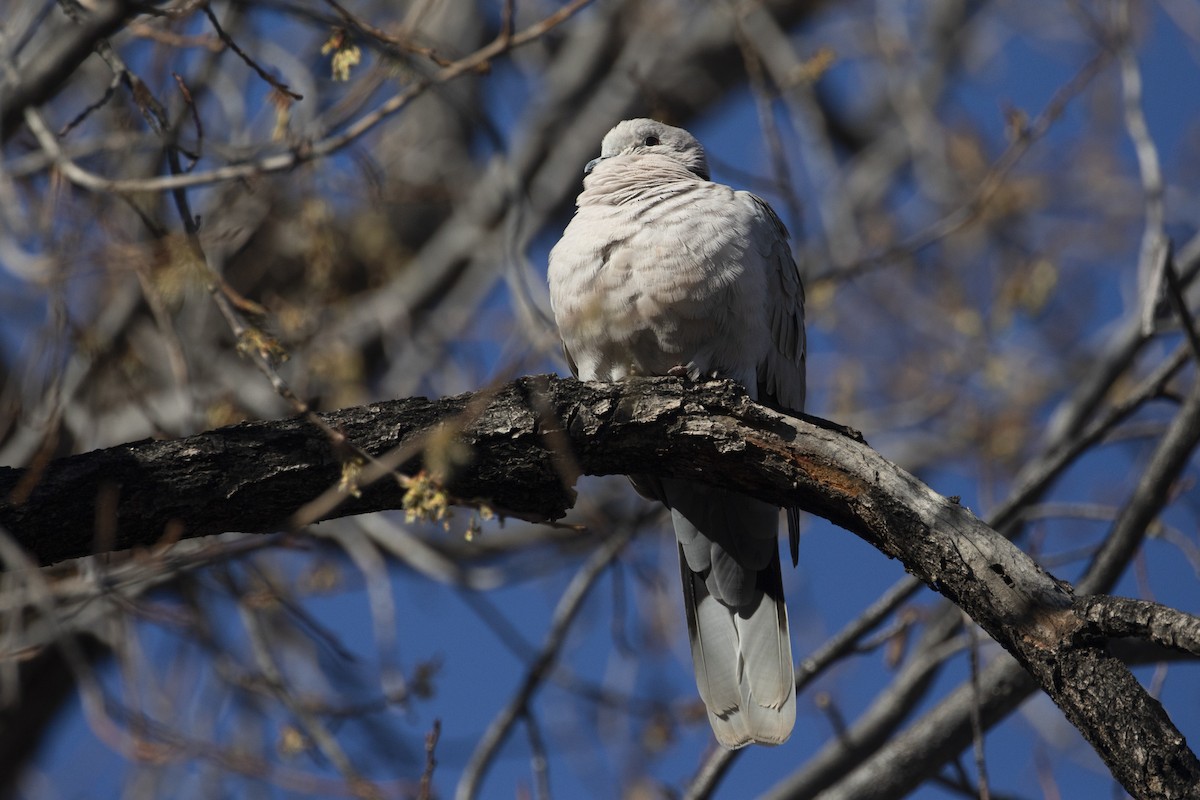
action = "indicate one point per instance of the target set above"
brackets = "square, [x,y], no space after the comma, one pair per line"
[520,447]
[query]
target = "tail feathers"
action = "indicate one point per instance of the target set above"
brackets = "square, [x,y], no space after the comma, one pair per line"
[742,659]
[714,639]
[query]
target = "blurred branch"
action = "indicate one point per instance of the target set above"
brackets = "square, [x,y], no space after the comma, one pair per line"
[1154,248]
[1023,139]
[542,665]
[42,77]
[1175,289]
[266,658]
[307,151]
[873,728]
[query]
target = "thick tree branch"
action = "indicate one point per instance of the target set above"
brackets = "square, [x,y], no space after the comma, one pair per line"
[1124,617]
[941,733]
[508,448]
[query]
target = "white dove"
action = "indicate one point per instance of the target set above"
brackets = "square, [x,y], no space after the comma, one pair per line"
[662,269]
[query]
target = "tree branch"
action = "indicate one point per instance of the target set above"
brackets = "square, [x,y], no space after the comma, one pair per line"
[506,446]
[541,666]
[54,64]
[1124,617]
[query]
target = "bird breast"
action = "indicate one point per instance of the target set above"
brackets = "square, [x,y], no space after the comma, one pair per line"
[657,280]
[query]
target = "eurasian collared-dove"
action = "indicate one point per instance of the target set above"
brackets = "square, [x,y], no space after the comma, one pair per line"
[660,269]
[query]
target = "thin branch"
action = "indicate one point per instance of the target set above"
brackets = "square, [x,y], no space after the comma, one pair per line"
[308,151]
[984,792]
[1154,247]
[1175,290]
[568,607]
[425,792]
[109,93]
[970,210]
[383,37]
[277,84]
[191,104]
[1148,499]
[268,664]
[875,726]
[42,77]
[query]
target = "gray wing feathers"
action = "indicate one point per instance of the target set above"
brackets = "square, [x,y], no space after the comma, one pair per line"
[781,373]
[737,620]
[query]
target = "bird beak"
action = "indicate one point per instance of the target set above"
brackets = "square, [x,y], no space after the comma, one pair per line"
[591,165]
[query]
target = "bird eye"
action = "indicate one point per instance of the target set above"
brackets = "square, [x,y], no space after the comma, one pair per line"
[650,141]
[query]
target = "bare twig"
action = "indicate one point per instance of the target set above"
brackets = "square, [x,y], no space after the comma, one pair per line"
[568,607]
[1154,247]
[277,84]
[968,211]
[1175,291]
[1148,498]
[191,104]
[266,660]
[984,792]
[425,791]
[91,107]
[44,75]
[404,43]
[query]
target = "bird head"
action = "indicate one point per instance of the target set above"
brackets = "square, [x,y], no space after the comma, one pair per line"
[638,137]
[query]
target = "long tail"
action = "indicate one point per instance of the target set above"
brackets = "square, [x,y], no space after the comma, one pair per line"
[737,619]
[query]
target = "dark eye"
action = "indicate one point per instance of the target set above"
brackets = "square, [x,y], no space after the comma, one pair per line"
[650,141]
